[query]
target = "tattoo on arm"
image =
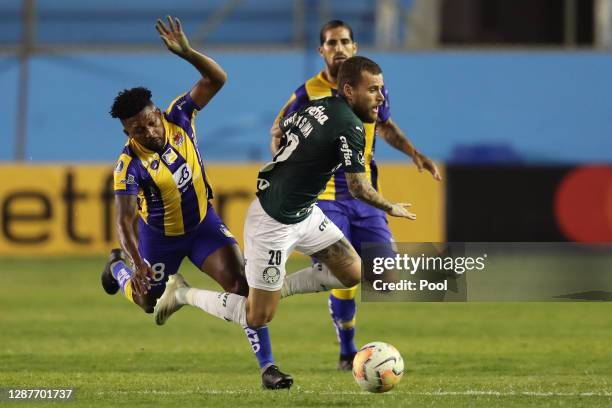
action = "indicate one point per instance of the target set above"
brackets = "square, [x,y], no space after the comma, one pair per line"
[361,188]
[339,255]
[395,137]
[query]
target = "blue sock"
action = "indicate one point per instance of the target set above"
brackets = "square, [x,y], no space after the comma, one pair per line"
[122,273]
[260,343]
[343,315]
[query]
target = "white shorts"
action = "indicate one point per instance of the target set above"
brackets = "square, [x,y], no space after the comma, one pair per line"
[268,243]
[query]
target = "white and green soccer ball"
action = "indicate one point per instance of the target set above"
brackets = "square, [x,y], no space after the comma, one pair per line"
[378,367]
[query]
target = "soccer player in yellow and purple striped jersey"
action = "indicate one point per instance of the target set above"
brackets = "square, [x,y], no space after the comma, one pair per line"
[359,221]
[161,186]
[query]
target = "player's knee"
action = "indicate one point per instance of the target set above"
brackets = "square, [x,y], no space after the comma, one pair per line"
[259,319]
[350,280]
[352,275]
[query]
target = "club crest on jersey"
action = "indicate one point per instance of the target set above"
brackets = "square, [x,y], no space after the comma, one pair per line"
[178,138]
[271,274]
[169,156]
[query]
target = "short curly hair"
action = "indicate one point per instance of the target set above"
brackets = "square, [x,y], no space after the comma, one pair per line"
[129,102]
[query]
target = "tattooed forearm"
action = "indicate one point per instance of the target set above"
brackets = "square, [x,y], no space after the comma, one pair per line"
[361,188]
[339,255]
[395,137]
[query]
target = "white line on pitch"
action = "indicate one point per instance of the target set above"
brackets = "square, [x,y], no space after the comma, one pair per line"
[433,393]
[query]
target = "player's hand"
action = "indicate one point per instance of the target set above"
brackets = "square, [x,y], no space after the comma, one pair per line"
[140,281]
[424,162]
[401,210]
[173,36]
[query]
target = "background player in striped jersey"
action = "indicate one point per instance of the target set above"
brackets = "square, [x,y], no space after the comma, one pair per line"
[359,221]
[160,184]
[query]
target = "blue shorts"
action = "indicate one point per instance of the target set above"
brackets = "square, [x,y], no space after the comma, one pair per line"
[358,221]
[165,254]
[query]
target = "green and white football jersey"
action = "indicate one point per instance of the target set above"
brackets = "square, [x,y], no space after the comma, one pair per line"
[317,140]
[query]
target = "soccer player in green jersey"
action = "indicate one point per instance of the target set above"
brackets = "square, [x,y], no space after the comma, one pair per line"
[358,221]
[320,138]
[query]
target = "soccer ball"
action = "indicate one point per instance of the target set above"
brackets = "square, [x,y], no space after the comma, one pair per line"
[377,367]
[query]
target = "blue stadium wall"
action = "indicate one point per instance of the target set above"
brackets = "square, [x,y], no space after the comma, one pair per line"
[522,107]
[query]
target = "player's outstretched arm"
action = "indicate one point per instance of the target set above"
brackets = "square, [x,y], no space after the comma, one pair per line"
[213,76]
[126,207]
[361,188]
[395,137]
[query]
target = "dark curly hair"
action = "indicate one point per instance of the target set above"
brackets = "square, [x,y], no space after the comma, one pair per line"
[129,102]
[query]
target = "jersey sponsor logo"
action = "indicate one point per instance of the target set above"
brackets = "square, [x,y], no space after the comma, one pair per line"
[129,180]
[271,275]
[155,164]
[324,224]
[346,151]
[169,156]
[262,184]
[182,175]
[119,166]
[318,113]
[359,129]
[361,159]
[179,106]
[289,120]
[178,138]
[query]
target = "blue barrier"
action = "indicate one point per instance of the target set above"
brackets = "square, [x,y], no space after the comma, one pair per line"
[545,107]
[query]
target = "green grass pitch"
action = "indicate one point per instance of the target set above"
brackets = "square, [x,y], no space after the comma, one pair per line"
[59,329]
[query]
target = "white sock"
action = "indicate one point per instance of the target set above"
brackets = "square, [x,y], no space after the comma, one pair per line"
[315,278]
[224,305]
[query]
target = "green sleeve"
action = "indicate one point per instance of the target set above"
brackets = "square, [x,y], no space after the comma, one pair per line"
[351,144]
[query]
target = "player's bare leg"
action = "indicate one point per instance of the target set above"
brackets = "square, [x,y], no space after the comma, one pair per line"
[343,262]
[226,267]
[261,307]
[339,268]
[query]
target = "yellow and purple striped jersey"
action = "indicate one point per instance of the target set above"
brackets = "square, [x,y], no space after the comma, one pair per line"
[318,87]
[171,185]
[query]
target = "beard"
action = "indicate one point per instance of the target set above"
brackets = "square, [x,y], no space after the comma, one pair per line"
[334,67]
[365,114]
